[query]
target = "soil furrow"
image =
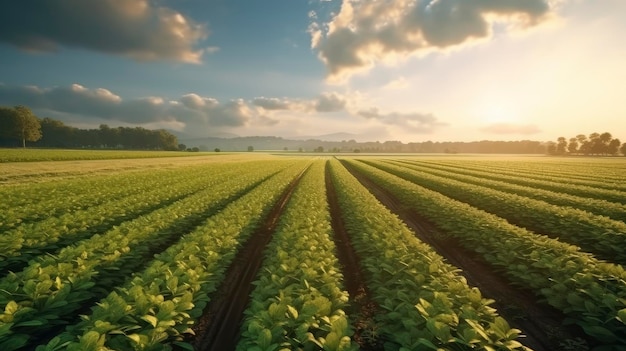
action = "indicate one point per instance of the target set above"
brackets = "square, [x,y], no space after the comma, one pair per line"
[218,328]
[541,324]
[362,308]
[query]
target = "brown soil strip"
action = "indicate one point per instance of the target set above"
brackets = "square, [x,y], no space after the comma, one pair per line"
[218,328]
[362,309]
[541,324]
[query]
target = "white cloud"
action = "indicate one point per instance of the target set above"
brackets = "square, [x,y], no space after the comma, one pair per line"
[134,28]
[413,122]
[367,32]
[397,84]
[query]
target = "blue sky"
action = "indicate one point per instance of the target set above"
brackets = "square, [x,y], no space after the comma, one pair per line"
[409,70]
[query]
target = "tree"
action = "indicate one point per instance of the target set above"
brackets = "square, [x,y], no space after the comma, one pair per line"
[20,123]
[572,147]
[583,143]
[623,149]
[250,148]
[561,145]
[217,149]
[613,147]
[551,148]
[182,147]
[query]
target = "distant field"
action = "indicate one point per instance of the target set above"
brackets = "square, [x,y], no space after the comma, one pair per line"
[33,155]
[312,252]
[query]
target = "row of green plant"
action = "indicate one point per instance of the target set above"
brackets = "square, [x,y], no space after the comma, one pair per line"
[558,184]
[298,302]
[599,235]
[609,209]
[27,203]
[157,307]
[48,292]
[592,293]
[35,155]
[20,245]
[427,304]
[585,169]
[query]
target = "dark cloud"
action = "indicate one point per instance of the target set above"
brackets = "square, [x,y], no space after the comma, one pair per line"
[272,103]
[194,111]
[415,122]
[365,32]
[330,102]
[135,28]
[511,128]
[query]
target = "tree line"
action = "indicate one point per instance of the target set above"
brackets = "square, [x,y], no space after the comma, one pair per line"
[595,144]
[19,125]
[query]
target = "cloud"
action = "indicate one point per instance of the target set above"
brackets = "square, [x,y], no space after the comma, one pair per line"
[330,102]
[273,103]
[134,28]
[366,32]
[511,128]
[197,113]
[325,102]
[414,122]
[397,84]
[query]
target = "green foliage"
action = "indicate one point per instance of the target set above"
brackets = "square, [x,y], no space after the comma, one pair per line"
[298,302]
[591,292]
[492,177]
[427,304]
[596,234]
[158,306]
[19,123]
[52,288]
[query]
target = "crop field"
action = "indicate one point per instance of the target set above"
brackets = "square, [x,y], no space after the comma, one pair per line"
[258,251]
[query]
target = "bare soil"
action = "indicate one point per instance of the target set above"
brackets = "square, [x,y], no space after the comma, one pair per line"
[362,308]
[541,324]
[219,326]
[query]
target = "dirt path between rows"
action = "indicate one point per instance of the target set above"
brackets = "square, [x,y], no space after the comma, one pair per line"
[218,328]
[540,323]
[362,308]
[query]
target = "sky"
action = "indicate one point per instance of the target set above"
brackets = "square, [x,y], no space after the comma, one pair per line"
[376,70]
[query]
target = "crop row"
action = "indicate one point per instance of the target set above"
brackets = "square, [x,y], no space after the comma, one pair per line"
[34,202]
[600,170]
[426,303]
[49,291]
[27,241]
[558,184]
[35,155]
[159,305]
[597,234]
[591,292]
[613,210]
[298,302]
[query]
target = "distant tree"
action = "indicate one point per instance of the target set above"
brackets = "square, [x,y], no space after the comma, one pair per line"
[20,123]
[250,148]
[623,149]
[572,147]
[583,144]
[182,147]
[561,146]
[195,149]
[319,149]
[285,149]
[551,148]
[357,150]
[613,147]
[217,149]
[300,149]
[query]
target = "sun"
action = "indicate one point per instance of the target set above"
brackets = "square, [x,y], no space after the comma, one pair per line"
[498,113]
